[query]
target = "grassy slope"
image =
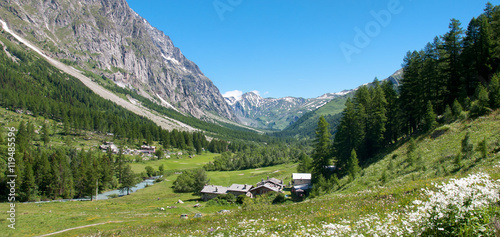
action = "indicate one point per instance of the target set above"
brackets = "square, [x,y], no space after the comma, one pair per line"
[367,195]
[306,125]
[138,209]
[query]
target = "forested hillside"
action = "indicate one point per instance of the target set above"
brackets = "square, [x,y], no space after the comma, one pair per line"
[456,72]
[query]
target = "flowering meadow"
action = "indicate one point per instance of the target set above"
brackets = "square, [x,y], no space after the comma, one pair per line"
[461,207]
[434,195]
[465,206]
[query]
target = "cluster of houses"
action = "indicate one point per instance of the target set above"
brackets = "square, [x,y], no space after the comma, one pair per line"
[301,185]
[145,149]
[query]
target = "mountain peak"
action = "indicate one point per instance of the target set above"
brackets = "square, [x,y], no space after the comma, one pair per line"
[111,41]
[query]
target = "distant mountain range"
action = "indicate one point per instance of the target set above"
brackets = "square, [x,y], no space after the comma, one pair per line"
[283,113]
[275,114]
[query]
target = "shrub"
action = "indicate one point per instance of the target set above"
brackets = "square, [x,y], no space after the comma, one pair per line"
[280,198]
[191,181]
[222,200]
[114,195]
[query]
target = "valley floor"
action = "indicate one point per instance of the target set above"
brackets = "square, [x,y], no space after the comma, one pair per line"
[384,193]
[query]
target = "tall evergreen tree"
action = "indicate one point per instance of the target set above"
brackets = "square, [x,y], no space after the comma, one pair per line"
[305,163]
[430,117]
[377,120]
[128,180]
[322,148]
[391,134]
[28,188]
[45,134]
[494,90]
[350,134]
[453,41]
[353,168]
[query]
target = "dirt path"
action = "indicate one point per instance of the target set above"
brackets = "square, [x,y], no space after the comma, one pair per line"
[79,227]
[163,121]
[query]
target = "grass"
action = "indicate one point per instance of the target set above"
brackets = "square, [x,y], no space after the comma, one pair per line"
[368,195]
[176,162]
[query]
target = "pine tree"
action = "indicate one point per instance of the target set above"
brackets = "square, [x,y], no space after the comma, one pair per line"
[448,115]
[483,148]
[28,187]
[430,117]
[161,168]
[66,125]
[480,106]
[411,94]
[494,90]
[45,134]
[457,109]
[305,163]
[411,152]
[128,180]
[377,120]
[322,148]
[350,134]
[453,46]
[467,147]
[353,165]
[392,125]
[21,138]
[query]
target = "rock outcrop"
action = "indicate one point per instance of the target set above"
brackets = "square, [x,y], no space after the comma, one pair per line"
[109,40]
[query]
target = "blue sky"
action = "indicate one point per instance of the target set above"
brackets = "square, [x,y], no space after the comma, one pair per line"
[301,48]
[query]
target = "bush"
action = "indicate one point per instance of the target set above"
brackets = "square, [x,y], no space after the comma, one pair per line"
[114,195]
[191,181]
[150,171]
[223,200]
[280,198]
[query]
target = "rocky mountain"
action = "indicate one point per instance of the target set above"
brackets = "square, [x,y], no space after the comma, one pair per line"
[305,126]
[114,45]
[282,113]
[270,113]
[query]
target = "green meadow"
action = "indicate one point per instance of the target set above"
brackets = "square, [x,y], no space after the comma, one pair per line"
[137,209]
[387,185]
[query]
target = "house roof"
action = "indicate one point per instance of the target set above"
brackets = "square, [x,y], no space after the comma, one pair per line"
[214,189]
[270,186]
[301,176]
[302,187]
[239,188]
[274,181]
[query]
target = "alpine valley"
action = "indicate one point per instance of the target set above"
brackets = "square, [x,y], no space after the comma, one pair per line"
[278,114]
[107,129]
[118,49]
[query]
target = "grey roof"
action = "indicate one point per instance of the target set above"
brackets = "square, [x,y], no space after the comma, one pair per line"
[271,186]
[214,189]
[302,186]
[274,181]
[239,188]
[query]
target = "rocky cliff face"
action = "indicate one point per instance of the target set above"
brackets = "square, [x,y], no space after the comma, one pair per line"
[113,42]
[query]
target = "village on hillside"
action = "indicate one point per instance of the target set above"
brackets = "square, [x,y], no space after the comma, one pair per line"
[300,188]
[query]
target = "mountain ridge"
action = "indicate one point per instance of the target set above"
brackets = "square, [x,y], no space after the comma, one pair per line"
[114,44]
[275,113]
[280,113]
